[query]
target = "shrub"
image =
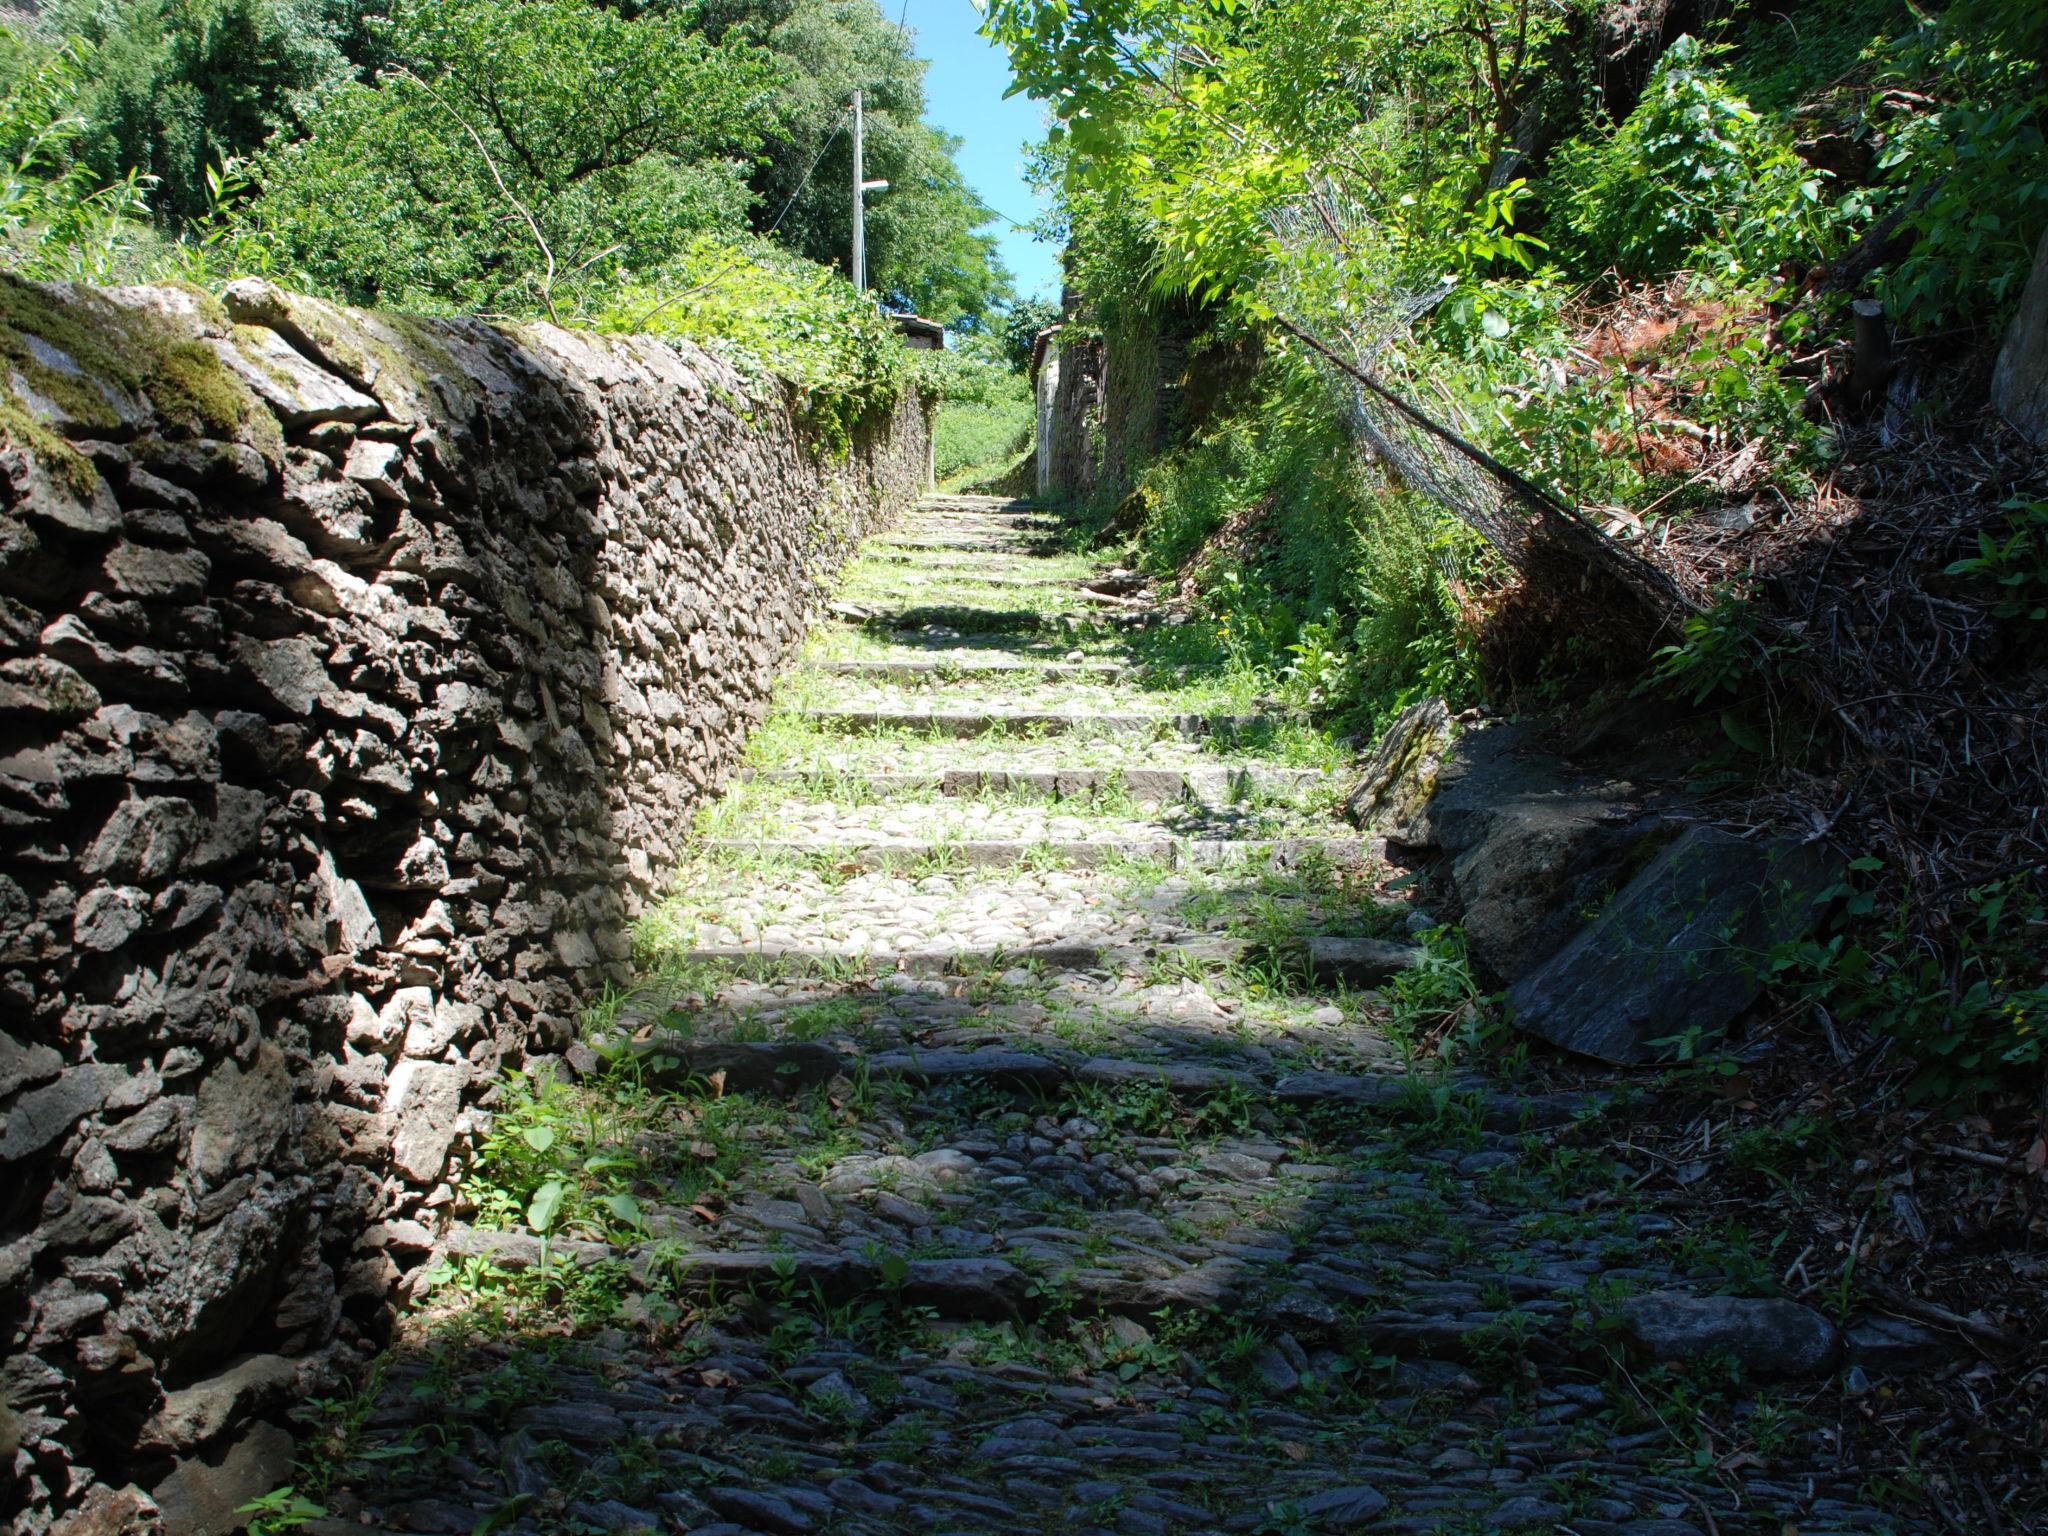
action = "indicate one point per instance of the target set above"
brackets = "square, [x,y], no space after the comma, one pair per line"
[1695,176]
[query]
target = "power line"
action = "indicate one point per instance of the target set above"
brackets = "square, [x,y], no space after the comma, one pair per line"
[816,159]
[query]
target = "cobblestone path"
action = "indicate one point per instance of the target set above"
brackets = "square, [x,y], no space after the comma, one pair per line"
[1000,1145]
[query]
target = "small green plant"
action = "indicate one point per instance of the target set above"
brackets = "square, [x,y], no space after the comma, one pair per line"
[2015,561]
[1720,654]
[281,1510]
[1969,1010]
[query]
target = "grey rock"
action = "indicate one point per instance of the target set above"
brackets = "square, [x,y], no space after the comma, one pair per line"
[750,1066]
[988,1288]
[1343,1509]
[42,685]
[43,1114]
[1361,962]
[1399,779]
[1680,949]
[2019,382]
[1891,1344]
[423,1100]
[193,1415]
[200,1497]
[1767,1337]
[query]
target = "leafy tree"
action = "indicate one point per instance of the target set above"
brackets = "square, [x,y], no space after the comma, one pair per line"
[923,251]
[514,151]
[57,219]
[174,86]
[1022,322]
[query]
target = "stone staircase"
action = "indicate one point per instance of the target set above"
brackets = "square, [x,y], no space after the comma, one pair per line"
[1016,1145]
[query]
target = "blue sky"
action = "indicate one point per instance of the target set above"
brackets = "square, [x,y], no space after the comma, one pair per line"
[964,95]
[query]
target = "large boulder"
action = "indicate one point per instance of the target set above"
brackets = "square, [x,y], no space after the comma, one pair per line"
[1530,843]
[1681,950]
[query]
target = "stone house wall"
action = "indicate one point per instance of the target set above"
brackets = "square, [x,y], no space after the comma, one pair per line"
[359,678]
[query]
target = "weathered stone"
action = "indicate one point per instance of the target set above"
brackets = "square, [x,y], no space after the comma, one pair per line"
[1400,778]
[194,1415]
[157,575]
[295,390]
[2019,382]
[25,1064]
[1766,1337]
[423,1100]
[1891,1344]
[291,672]
[41,685]
[1361,962]
[1681,951]
[109,1511]
[1343,1509]
[146,838]
[242,1115]
[109,916]
[748,1066]
[43,1114]
[201,1497]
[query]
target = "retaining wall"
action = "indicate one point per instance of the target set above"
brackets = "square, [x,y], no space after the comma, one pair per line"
[359,677]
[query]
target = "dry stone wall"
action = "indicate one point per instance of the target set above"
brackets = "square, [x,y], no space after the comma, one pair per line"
[359,677]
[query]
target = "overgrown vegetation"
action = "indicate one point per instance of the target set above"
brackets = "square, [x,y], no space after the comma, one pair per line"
[1621,265]
[665,167]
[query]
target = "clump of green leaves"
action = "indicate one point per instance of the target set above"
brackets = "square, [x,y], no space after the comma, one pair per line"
[1695,175]
[511,157]
[1972,1013]
[2014,561]
[58,219]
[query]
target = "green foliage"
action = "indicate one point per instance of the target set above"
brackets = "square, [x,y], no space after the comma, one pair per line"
[180,85]
[772,312]
[57,218]
[984,424]
[923,251]
[1720,654]
[517,154]
[1972,173]
[1021,323]
[1695,174]
[563,1159]
[1345,595]
[279,1511]
[1969,1012]
[2015,561]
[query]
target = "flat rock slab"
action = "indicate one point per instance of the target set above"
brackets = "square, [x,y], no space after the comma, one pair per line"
[743,1066]
[1361,962]
[995,1064]
[971,723]
[1682,950]
[1767,1337]
[789,959]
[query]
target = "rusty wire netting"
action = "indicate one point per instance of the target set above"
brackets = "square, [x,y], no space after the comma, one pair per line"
[1334,294]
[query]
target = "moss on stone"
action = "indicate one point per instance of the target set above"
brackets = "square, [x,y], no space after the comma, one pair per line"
[131,350]
[23,429]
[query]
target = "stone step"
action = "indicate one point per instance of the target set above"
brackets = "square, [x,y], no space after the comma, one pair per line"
[780,959]
[962,619]
[990,543]
[1076,853]
[914,576]
[1206,786]
[918,669]
[1188,727]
